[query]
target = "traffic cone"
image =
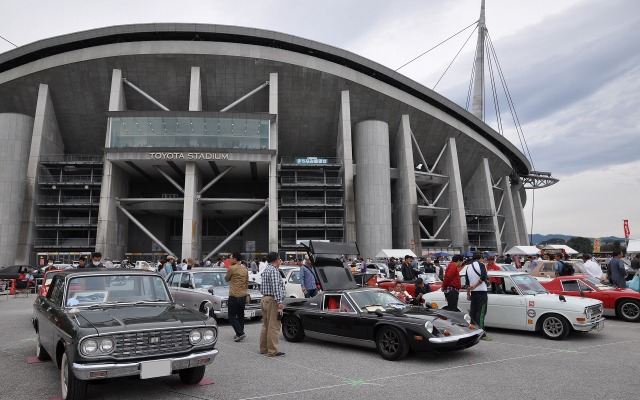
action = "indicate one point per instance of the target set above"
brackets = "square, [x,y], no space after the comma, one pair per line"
[12,291]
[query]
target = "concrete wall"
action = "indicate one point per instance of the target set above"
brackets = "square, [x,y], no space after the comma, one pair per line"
[454,199]
[405,198]
[192,214]
[273,167]
[372,187]
[511,233]
[15,144]
[111,237]
[523,235]
[45,140]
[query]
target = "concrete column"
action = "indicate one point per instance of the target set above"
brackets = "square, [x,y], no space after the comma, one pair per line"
[15,143]
[273,167]
[117,101]
[454,197]
[511,232]
[45,140]
[479,192]
[405,197]
[111,237]
[192,214]
[518,207]
[195,90]
[372,187]
[344,151]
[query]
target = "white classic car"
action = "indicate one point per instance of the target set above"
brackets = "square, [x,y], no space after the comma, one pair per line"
[291,278]
[518,301]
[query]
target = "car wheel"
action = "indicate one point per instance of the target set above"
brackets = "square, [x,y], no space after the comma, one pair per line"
[72,387]
[391,343]
[191,376]
[629,310]
[555,327]
[41,353]
[292,329]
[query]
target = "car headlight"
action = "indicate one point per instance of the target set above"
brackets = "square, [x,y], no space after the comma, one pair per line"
[106,345]
[208,335]
[89,347]
[195,336]
[467,318]
[588,312]
[429,326]
[223,304]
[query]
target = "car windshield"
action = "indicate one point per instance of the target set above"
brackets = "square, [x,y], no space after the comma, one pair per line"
[430,277]
[364,298]
[528,284]
[115,289]
[594,282]
[508,267]
[205,280]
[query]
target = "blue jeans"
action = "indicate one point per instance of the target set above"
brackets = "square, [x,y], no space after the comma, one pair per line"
[236,314]
[310,293]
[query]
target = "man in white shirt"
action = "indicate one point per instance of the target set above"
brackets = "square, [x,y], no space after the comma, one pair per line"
[592,267]
[477,290]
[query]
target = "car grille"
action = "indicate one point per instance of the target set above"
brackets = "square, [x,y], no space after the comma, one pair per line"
[137,344]
[596,311]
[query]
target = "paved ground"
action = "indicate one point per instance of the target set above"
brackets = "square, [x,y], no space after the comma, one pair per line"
[597,365]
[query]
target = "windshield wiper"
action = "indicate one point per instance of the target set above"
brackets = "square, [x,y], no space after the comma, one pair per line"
[150,301]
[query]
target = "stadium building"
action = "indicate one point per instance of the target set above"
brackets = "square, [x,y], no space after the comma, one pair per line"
[198,139]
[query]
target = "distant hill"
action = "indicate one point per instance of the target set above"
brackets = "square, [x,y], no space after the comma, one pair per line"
[538,238]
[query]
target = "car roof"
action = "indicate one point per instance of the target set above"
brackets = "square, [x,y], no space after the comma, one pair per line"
[105,271]
[203,269]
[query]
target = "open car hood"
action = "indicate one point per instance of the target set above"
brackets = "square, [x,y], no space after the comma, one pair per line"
[332,273]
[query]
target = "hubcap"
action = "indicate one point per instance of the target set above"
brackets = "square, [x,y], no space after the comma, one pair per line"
[630,310]
[389,341]
[64,376]
[553,326]
[292,327]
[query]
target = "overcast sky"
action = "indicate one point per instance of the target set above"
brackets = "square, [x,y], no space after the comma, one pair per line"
[572,68]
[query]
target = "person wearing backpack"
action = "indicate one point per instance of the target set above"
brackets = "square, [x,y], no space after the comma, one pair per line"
[563,268]
[476,275]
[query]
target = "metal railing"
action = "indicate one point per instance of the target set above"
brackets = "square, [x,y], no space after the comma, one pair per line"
[66,221]
[70,179]
[311,180]
[68,200]
[311,221]
[72,158]
[65,242]
[311,201]
[478,211]
[293,242]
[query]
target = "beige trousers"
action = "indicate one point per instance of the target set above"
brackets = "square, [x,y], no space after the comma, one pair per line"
[270,331]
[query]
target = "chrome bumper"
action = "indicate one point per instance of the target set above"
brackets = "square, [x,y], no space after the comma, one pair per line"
[224,314]
[589,326]
[114,370]
[450,339]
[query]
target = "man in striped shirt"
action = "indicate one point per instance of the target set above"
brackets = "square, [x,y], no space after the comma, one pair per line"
[273,294]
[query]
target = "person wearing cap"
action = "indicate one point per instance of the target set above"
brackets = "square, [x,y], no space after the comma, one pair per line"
[238,278]
[168,267]
[308,279]
[421,289]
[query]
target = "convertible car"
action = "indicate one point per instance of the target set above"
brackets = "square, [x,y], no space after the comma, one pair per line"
[623,303]
[369,317]
[104,323]
[518,301]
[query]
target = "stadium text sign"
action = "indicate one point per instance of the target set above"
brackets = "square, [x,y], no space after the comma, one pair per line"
[188,156]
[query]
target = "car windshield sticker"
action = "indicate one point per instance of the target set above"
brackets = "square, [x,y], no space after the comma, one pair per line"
[532,303]
[531,313]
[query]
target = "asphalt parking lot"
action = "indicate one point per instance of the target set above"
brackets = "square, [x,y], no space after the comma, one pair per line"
[515,365]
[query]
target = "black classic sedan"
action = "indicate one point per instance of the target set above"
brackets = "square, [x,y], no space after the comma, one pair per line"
[370,317]
[99,323]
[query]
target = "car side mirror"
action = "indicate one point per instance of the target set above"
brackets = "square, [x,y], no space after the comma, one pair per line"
[210,290]
[378,312]
[206,307]
[561,298]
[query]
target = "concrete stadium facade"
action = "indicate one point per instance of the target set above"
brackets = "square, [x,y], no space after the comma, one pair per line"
[199,139]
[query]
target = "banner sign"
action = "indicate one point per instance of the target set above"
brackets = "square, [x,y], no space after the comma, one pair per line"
[596,245]
[627,232]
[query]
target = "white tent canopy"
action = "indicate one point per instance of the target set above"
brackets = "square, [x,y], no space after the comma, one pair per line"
[634,246]
[567,249]
[395,253]
[523,250]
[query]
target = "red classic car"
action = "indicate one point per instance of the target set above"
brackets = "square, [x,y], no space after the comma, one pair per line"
[623,303]
[432,279]
[46,281]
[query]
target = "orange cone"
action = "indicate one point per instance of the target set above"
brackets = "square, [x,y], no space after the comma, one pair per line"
[12,291]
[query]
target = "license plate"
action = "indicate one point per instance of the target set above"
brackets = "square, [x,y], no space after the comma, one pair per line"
[249,314]
[154,369]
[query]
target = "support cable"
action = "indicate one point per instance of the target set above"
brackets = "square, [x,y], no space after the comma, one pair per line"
[454,58]
[473,75]
[494,92]
[533,206]
[8,41]
[450,37]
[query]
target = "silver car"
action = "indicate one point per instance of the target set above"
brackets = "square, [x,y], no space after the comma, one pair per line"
[192,288]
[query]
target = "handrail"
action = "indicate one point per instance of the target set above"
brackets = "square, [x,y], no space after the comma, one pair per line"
[70,178]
